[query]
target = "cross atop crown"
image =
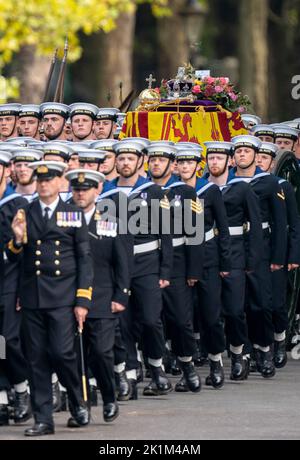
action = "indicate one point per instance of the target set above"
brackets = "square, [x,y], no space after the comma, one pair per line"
[150,80]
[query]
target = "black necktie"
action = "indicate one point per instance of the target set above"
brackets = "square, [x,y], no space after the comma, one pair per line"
[46,216]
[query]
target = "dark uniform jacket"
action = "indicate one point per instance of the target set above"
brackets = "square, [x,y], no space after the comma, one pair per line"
[273,214]
[187,259]
[217,250]
[242,208]
[8,208]
[110,260]
[57,266]
[157,261]
[293,221]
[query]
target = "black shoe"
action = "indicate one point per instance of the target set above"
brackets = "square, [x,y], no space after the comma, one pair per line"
[81,414]
[133,395]
[238,367]
[258,360]
[110,412]
[216,376]
[122,386]
[175,369]
[22,407]
[247,367]
[162,384]
[39,429]
[150,389]
[139,373]
[280,355]
[200,358]
[4,415]
[93,397]
[71,423]
[192,379]
[181,386]
[56,397]
[268,369]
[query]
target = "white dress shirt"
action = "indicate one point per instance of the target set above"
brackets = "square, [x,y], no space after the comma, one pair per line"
[88,215]
[51,206]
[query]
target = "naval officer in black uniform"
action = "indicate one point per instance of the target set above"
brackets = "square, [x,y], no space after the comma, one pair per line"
[56,287]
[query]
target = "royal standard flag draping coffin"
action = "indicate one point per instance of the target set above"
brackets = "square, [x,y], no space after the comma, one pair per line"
[183,127]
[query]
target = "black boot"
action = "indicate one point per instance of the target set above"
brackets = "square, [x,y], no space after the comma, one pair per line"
[4,419]
[258,360]
[133,395]
[162,385]
[122,386]
[56,397]
[110,412]
[247,367]
[175,369]
[181,386]
[280,355]
[192,379]
[268,369]
[238,367]
[216,376]
[200,358]
[22,407]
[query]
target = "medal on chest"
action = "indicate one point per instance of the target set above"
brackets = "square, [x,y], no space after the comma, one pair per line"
[69,219]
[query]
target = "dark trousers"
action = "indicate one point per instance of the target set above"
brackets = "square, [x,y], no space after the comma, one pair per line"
[4,383]
[99,339]
[279,306]
[142,318]
[178,314]
[50,333]
[233,300]
[209,310]
[119,346]
[259,305]
[15,362]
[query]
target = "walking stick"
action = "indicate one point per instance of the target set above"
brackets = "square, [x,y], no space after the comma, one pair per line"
[83,376]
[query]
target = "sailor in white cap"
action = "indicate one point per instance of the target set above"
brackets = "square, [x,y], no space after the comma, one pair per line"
[273,251]
[26,184]
[250,120]
[82,117]
[10,318]
[108,167]
[264,132]
[29,120]
[91,158]
[106,123]
[148,269]
[54,116]
[242,207]
[286,137]
[216,261]
[59,151]
[188,260]
[265,161]
[9,114]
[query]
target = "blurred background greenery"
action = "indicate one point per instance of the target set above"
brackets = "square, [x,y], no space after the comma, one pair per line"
[254,42]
